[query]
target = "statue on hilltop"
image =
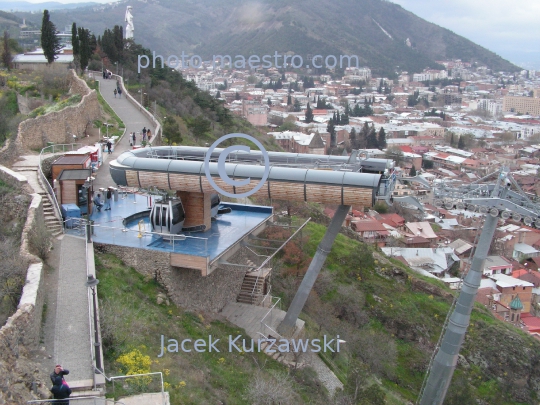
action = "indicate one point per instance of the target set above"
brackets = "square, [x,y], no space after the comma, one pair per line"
[129,26]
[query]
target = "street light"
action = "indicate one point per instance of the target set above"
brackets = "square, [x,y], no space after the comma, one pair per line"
[91,283]
[88,187]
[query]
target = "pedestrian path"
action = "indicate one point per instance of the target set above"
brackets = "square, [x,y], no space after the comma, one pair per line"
[72,335]
[133,119]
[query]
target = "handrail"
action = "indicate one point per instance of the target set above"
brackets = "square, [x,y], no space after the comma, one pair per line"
[43,179]
[52,401]
[259,270]
[268,313]
[124,377]
[174,238]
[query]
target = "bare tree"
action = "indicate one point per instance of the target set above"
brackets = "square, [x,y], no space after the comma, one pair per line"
[271,389]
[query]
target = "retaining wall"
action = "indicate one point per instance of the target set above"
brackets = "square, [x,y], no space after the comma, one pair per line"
[60,126]
[20,334]
[186,287]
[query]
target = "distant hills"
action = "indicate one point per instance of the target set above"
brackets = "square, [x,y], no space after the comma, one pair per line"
[377,31]
[49,5]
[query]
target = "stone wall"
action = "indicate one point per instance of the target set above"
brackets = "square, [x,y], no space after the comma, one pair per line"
[186,287]
[60,126]
[20,333]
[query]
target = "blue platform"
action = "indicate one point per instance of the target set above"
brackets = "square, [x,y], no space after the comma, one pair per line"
[226,230]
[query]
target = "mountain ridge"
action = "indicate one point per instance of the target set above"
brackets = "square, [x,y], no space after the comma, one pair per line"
[375,30]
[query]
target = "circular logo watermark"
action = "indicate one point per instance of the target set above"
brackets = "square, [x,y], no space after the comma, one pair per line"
[221,165]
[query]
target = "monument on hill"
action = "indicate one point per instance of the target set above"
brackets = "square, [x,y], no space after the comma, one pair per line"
[129,26]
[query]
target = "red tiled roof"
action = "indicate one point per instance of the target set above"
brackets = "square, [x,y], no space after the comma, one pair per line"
[367,226]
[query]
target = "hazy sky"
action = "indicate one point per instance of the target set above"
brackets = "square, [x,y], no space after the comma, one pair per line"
[510,28]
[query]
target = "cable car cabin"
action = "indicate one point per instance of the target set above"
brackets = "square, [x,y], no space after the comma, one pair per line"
[167,217]
[378,166]
[215,207]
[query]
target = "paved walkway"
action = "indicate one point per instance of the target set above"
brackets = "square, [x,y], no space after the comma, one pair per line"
[72,338]
[134,120]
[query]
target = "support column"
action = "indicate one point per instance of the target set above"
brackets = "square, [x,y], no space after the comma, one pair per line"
[197,207]
[288,324]
[444,364]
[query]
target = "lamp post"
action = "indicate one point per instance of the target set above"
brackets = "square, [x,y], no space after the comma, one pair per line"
[91,283]
[88,187]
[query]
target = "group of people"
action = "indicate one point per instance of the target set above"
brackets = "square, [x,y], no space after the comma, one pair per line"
[107,203]
[146,135]
[107,74]
[118,90]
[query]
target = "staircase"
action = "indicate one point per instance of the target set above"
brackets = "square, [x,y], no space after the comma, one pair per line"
[52,223]
[254,286]
[84,388]
[29,169]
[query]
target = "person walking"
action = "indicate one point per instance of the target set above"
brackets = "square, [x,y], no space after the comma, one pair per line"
[108,200]
[60,388]
[109,147]
[114,93]
[119,92]
[148,134]
[134,139]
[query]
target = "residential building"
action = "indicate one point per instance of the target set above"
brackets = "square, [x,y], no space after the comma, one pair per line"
[522,105]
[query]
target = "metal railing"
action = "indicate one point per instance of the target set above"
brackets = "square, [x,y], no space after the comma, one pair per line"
[125,377]
[94,401]
[52,149]
[77,227]
[270,313]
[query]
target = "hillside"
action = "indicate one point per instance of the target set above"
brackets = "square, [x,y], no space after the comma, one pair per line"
[389,317]
[375,30]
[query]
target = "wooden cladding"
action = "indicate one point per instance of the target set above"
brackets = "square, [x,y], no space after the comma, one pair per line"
[197,207]
[190,262]
[278,190]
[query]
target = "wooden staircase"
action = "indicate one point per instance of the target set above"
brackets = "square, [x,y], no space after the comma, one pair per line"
[255,286]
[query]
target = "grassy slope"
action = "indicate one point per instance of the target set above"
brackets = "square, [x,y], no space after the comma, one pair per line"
[403,312]
[400,309]
[132,319]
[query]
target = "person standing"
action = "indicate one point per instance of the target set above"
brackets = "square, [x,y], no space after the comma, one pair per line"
[134,139]
[148,134]
[60,388]
[119,92]
[114,93]
[108,200]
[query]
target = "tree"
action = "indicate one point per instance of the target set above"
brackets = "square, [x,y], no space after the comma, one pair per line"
[297,107]
[49,41]
[412,173]
[352,139]
[237,96]
[372,139]
[461,143]
[395,153]
[269,102]
[289,100]
[309,114]
[74,40]
[218,94]
[84,47]
[381,139]
[7,58]
[171,131]
[332,131]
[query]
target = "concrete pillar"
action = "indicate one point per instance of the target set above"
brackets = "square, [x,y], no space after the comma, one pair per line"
[445,361]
